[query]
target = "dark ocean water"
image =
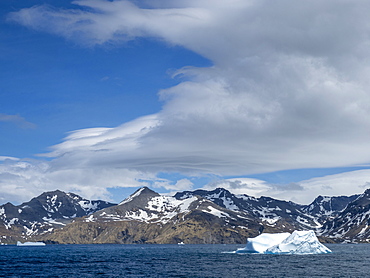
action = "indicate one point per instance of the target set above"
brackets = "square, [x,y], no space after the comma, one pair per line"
[178,261]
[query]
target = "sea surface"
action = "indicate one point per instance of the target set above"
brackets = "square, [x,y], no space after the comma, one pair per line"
[347,260]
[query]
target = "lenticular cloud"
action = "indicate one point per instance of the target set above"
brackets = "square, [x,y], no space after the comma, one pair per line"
[287,89]
[280,95]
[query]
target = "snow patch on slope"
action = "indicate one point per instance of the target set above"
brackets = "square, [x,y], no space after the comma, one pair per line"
[216,212]
[88,205]
[159,209]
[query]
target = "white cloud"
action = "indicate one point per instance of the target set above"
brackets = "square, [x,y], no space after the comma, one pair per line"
[343,184]
[21,180]
[303,192]
[179,185]
[288,88]
[248,186]
[3,158]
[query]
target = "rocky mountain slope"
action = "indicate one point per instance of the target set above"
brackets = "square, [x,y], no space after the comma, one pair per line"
[43,214]
[198,216]
[274,215]
[324,208]
[147,217]
[352,223]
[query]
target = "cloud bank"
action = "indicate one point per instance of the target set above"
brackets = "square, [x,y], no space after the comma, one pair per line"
[303,192]
[288,88]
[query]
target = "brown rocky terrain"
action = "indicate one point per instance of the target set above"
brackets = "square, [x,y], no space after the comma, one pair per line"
[192,217]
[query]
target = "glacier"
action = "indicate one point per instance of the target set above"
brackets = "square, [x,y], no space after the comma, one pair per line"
[299,242]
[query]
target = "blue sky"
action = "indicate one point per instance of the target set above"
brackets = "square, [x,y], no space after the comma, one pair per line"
[101,97]
[60,86]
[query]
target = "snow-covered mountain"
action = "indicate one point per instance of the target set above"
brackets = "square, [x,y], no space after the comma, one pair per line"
[324,208]
[147,217]
[271,213]
[199,216]
[44,213]
[351,224]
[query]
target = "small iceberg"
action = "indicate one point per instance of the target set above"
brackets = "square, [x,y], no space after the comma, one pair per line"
[28,243]
[299,242]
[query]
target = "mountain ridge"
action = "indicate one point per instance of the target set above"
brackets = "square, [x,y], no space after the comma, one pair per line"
[199,216]
[44,213]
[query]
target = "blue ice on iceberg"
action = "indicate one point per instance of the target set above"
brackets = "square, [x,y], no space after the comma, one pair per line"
[299,242]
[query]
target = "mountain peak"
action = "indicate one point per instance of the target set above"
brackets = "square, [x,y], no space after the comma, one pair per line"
[142,193]
[57,191]
[367,192]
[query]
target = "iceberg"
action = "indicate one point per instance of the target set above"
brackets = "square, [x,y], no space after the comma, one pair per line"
[30,243]
[262,242]
[299,242]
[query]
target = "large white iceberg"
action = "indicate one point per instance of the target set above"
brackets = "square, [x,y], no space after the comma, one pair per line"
[262,242]
[299,242]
